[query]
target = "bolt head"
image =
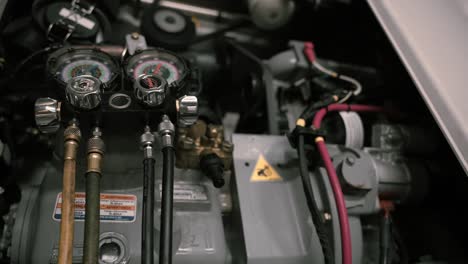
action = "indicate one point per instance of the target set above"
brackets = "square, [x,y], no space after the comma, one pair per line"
[350,161]
[135,35]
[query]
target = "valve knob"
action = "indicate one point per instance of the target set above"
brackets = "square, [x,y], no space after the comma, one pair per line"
[47,114]
[150,90]
[84,92]
[187,113]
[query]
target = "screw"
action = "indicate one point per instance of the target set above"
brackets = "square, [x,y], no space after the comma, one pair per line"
[327,216]
[135,35]
[350,161]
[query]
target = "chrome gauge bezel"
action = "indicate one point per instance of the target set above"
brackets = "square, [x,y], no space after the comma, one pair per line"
[63,59]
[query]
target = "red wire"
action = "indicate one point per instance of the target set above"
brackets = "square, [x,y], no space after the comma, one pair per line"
[342,107]
[346,249]
[309,51]
[347,256]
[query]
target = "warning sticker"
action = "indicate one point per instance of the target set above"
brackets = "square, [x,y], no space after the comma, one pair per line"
[264,172]
[114,207]
[188,192]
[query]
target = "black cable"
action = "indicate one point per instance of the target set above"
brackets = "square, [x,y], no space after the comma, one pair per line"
[312,205]
[165,243]
[401,246]
[30,58]
[106,26]
[37,12]
[309,111]
[11,77]
[147,238]
[220,32]
[385,238]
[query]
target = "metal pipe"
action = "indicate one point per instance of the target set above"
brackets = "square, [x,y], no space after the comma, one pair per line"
[147,238]
[166,131]
[72,137]
[92,209]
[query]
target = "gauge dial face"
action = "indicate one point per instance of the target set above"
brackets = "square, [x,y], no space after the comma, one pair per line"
[156,62]
[86,67]
[157,67]
[66,64]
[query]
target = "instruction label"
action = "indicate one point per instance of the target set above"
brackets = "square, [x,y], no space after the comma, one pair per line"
[115,208]
[188,192]
[264,172]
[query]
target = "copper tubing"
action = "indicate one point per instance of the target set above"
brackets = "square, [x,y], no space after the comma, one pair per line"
[72,138]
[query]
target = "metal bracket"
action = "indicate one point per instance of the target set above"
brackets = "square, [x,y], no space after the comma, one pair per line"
[134,42]
[62,29]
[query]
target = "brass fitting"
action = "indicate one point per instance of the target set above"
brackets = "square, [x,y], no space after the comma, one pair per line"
[199,140]
[72,138]
[96,148]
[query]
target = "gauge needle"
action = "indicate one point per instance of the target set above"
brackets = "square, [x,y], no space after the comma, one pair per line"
[150,83]
[156,70]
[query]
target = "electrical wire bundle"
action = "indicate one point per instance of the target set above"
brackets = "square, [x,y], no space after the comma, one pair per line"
[316,113]
[311,57]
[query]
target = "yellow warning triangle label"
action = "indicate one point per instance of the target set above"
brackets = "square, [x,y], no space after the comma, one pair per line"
[264,172]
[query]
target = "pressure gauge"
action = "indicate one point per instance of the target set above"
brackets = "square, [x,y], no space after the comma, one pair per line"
[159,62]
[67,63]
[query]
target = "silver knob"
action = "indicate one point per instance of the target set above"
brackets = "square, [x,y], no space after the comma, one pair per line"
[187,113]
[150,89]
[84,92]
[47,114]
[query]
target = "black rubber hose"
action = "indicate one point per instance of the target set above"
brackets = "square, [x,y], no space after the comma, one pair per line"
[165,242]
[317,218]
[385,239]
[401,245]
[147,238]
[91,236]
